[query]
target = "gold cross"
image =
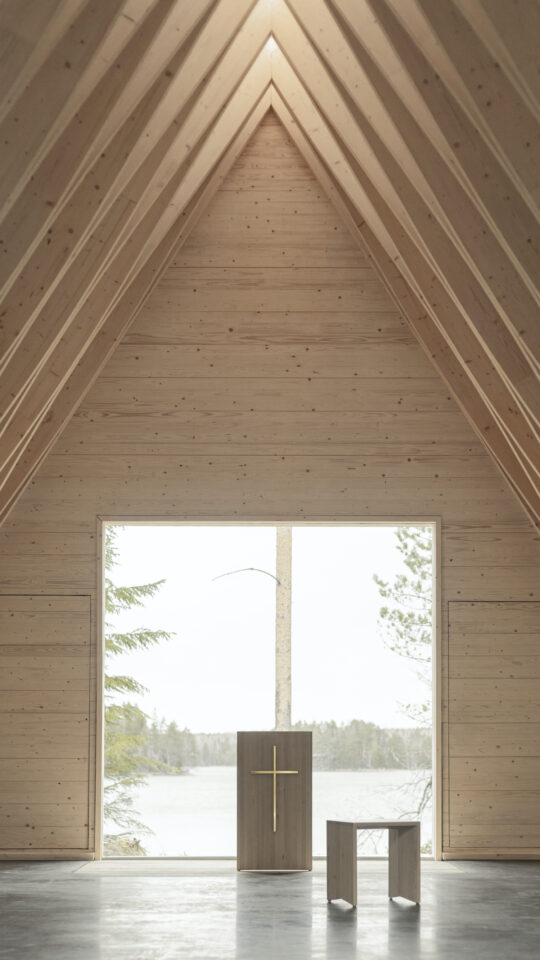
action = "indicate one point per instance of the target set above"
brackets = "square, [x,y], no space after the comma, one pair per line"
[274,774]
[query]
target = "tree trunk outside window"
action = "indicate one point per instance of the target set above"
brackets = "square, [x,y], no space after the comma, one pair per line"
[283,627]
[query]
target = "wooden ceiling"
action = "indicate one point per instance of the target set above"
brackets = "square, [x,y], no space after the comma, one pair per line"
[120,119]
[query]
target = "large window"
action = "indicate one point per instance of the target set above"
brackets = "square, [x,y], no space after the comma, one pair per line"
[361,644]
[212,629]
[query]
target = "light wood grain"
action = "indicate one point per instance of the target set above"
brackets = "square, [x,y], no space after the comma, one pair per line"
[367,171]
[311,407]
[223,327]
[403,858]
[482,618]
[345,427]
[404,862]
[493,770]
[376,460]
[42,838]
[51,735]
[121,396]
[341,868]
[288,847]
[67,700]
[513,808]
[505,666]
[336,360]
[45,718]
[21,771]
[37,814]
[136,106]
[492,739]
[488,645]
[497,773]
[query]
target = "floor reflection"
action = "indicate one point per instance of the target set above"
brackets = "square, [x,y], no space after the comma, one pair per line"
[274,910]
[341,930]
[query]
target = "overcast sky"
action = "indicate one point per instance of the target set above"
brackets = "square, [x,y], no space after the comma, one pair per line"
[217,672]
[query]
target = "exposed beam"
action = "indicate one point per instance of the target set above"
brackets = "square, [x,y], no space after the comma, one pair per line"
[483,334]
[510,31]
[83,142]
[308,67]
[319,168]
[419,119]
[94,360]
[431,339]
[28,41]
[93,310]
[460,332]
[467,229]
[511,218]
[514,127]
[501,449]
[310,117]
[434,299]
[34,119]
[72,279]
[244,54]
[453,271]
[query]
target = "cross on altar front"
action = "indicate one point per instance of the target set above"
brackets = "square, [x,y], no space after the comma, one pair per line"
[274,774]
[261,845]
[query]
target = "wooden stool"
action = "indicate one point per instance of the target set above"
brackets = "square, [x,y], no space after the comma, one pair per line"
[403,858]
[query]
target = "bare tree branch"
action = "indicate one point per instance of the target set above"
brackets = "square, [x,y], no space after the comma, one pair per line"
[245,570]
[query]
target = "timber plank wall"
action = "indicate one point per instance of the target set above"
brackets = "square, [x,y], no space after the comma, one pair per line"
[270,377]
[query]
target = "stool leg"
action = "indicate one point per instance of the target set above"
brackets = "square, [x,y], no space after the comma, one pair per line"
[341,881]
[404,862]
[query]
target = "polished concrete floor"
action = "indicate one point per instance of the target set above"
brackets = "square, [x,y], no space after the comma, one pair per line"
[156,910]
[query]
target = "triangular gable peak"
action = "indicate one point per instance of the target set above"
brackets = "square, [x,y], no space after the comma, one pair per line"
[139,122]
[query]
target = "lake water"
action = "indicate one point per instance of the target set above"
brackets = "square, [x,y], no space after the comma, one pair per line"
[195,815]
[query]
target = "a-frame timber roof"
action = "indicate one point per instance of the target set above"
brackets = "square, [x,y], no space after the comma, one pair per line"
[120,118]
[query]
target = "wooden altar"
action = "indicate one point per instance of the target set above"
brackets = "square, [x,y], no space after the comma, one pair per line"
[274,800]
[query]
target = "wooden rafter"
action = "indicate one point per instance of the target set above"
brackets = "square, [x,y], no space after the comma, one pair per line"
[124,312]
[514,220]
[47,326]
[65,353]
[150,101]
[431,339]
[419,119]
[519,445]
[28,42]
[504,369]
[33,120]
[462,221]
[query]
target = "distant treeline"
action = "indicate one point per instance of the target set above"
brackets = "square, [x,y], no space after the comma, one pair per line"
[162,747]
